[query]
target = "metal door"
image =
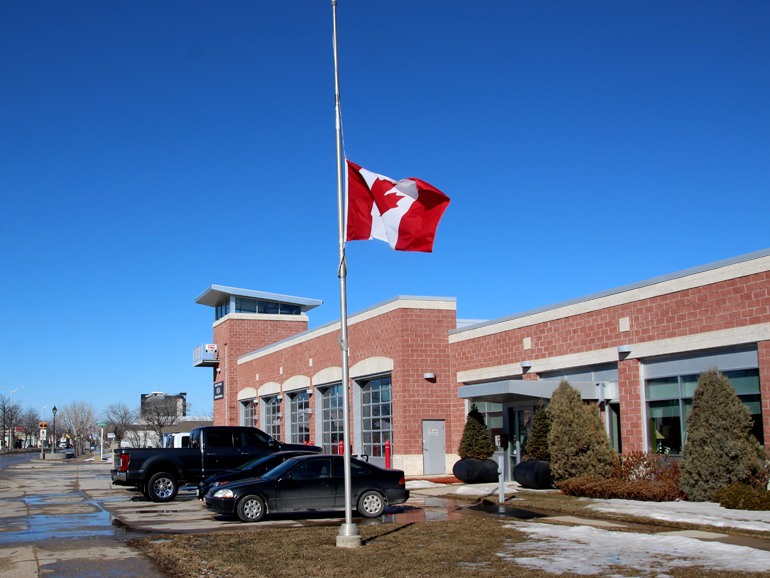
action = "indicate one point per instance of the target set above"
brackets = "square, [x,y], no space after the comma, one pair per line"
[433,447]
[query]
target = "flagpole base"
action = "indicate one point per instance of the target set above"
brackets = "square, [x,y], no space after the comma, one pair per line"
[349,536]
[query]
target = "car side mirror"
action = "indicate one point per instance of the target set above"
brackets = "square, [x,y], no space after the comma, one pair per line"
[272,443]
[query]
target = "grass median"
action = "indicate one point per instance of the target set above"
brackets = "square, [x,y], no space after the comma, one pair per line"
[446,549]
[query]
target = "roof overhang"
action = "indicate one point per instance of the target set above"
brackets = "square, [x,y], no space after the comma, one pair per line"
[215,294]
[514,390]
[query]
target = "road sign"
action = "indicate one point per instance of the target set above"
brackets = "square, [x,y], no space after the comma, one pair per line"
[43,425]
[103,424]
[43,433]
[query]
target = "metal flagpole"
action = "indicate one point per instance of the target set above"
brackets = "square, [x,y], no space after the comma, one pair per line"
[349,537]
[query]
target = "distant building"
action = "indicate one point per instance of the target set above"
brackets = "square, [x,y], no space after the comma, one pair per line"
[177,404]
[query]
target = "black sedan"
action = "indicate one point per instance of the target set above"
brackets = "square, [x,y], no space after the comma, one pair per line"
[251,469]
[310,483]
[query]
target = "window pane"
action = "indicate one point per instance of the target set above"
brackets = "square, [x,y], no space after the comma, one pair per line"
[666,426]
[689,383]
[744,381]
[269,307]
[664,388]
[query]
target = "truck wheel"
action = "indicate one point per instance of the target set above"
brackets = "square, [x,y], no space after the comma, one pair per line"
[162,487]
[251,508]
[371,504]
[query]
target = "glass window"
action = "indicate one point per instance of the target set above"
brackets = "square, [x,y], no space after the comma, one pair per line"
[219,438]
[671,402]
[223,309]
[663,388]
[312,469]
[356,469]
[300,418]
[269,307]
[290,309]
[493,418]
[249,413]
[666,426]
[251,439]
[273,417]
[332,419]
[245,305]
[377,415]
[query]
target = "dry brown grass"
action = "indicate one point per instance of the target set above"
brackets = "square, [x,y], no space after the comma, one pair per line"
[447,549]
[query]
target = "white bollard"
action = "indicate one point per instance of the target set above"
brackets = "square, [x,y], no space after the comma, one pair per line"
[501,478]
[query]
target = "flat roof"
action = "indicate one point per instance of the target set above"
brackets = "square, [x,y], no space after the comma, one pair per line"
[623,289]
[215,294]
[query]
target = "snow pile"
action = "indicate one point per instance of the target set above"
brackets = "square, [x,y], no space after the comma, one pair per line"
[703,513]
[586,550]
[422,484]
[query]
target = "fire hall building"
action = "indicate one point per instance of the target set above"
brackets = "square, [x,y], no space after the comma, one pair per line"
[415,368]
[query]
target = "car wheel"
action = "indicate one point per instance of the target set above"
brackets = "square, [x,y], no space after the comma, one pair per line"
[251,508]
[162,487]
[371,504]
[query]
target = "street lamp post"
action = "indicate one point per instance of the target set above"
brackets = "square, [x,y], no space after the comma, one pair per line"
[53,411]
[10,435]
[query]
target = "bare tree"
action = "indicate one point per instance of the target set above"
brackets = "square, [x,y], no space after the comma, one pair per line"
[161,412]
[78,419]
[120,417]
[30,421]
[9,416]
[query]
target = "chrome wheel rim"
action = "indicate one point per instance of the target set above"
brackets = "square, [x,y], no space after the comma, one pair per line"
[163,487]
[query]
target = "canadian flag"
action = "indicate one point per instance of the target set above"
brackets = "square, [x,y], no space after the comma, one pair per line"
[403,213]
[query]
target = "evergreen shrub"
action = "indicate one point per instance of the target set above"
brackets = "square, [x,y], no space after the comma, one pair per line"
[740,496]
[476,442]
[577,441]
[537,442]
[719,448]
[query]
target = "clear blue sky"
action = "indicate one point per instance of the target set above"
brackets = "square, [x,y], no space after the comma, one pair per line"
[151,149]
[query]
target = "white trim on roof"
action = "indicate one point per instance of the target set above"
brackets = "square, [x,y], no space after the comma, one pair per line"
[743,266]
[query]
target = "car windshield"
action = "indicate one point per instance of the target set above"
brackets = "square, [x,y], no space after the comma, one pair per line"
[255,462]
[279,471]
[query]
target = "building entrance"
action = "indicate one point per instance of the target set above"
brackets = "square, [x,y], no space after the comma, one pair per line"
[520,426]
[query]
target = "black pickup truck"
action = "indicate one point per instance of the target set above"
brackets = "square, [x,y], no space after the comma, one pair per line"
[158,472]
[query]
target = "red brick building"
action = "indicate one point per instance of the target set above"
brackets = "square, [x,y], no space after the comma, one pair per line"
[636,351]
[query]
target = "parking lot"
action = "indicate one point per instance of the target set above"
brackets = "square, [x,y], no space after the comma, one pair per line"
[65,518]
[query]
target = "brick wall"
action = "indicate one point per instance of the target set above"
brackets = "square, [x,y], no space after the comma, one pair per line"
[724,305]
[416,341]
[236,337]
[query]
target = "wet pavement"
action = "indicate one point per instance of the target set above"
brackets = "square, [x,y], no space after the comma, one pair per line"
[64,518]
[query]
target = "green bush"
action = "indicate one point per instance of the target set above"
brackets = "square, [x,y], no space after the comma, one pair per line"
[719,448]
[636,476]
[476,442]
[577,442]
[740,496]
[537,442]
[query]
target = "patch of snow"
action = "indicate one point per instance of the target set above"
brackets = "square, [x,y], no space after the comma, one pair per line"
[421,484]
[585,550]
[703,513]
[475,491]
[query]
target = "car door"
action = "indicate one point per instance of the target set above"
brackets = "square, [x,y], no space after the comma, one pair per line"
[310,485]
[219,453]
[360,481]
